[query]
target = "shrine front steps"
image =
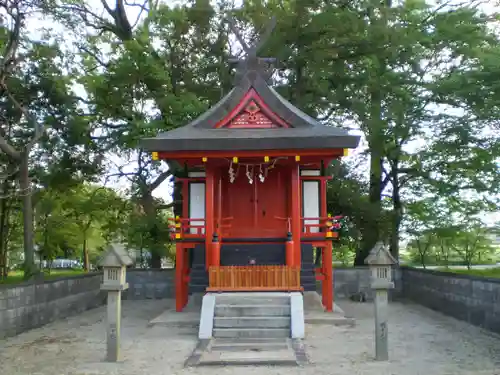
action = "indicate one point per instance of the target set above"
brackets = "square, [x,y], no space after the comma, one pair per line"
[252,315]
[250,329]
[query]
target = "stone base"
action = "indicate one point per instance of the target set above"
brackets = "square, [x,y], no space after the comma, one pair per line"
[316,314]
[172,318]
[248,352]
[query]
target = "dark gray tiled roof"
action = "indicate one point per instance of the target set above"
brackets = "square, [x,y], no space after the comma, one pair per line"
[200,134]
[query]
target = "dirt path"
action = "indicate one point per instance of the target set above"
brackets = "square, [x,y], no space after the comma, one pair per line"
[421,342]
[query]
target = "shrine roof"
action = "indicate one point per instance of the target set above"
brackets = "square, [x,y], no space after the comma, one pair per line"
[201,135]
[281,126]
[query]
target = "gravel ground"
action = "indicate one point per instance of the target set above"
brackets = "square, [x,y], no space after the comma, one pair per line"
[422,342]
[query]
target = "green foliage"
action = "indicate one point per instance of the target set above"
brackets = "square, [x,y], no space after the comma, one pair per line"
[490,272]
[417,79]
[437,236]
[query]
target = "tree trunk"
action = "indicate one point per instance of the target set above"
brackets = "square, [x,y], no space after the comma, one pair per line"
[371,227]
[375,134]
[148,205]
[3,231]
[85,251]
[397,211]
[25,185]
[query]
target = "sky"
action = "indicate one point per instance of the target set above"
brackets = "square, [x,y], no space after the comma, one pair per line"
[164,190]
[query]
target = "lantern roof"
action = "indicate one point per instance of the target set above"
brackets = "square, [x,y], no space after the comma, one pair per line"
[252,116]
[380,256]
[116,256]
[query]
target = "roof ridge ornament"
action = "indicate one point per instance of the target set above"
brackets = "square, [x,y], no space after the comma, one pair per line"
[260,65]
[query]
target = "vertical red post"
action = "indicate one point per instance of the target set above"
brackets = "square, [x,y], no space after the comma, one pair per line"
[322,199]
[179,277]
[215,251]
[324,290]
[296,214]
[209,214]
[185,277]
[219,204]
[328,282]
[289,249]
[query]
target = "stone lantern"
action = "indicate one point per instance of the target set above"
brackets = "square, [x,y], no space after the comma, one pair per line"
[114,263]
[380,262]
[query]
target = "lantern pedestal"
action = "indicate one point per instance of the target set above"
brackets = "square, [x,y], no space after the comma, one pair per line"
[381,314]
[380,261]
[114,312]
[114,263]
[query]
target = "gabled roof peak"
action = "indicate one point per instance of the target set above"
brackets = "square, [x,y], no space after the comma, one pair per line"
[252,65]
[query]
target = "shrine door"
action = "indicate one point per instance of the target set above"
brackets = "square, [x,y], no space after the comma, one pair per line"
[259,208]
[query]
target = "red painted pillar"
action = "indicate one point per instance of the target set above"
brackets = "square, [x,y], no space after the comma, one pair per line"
[209,214]
[289,249]
[324,290]
[328,282]
[215,248]
[322,200]
[179,277]
[186,276]
[296,214]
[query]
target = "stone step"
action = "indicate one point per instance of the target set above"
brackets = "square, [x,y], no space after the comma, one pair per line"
[256,345]
[251,340]
[251,333]
[249,357]
[281,299]
[223,310]
[252,322]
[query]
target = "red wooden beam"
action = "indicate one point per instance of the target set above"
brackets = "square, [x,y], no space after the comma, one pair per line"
[249,153]
[316,178]
[190,179]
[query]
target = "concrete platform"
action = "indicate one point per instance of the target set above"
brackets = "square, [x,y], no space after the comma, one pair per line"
[247,352]
[188,318]
[314,313]
[171,318]
[313,310]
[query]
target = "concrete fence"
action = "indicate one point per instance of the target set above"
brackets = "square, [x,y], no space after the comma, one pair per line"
[150,284]
[30,305]
[349,282]
[473,299]
[26,306]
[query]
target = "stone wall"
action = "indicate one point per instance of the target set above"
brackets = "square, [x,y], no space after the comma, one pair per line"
[26,306]
[30,305]
[150,284]
[350,281]
[473,299]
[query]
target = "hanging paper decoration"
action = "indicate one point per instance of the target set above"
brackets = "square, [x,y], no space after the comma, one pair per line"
[232,175]
[261,174]
[249,175]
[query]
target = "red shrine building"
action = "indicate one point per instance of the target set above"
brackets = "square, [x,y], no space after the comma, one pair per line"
[254,206]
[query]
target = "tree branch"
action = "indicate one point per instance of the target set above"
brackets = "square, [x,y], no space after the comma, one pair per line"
[159,180]
[8,149]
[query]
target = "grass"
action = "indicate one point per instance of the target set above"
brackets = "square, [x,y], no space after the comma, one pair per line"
[16,277]
[490,272]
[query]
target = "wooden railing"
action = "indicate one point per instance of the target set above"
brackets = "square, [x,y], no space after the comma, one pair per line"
[254,278]
[222,226]
[181,229]
[319,226]
[313,227]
